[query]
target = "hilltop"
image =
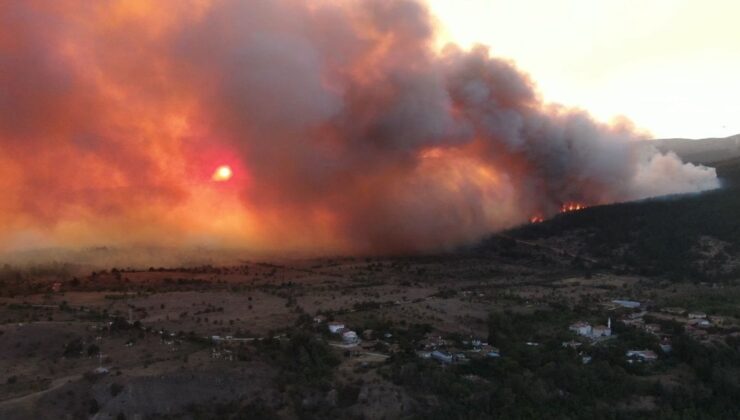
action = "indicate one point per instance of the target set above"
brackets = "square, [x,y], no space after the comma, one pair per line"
[701,151]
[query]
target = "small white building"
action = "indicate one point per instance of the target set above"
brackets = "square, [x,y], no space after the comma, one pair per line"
[626,303]
[581,328]
[492,352]
[335,327]
[350,337]
[424,354]
[585,329]
[100,370]
[442,356]
[601,331]
[697,315]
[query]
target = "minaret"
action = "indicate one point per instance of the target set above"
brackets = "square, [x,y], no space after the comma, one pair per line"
[609,323]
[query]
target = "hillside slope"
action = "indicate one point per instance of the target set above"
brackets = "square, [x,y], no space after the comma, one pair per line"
[703,151]
[694,236]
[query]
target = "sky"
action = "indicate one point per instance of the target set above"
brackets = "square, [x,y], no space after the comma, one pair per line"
[338,126]
[671,66]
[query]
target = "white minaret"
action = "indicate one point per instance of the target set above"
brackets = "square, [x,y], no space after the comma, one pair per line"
[609,323]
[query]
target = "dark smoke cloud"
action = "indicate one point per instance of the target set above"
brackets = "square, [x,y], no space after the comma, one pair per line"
[349,130]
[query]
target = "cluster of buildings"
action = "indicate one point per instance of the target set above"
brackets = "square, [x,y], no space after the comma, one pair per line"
[437,348]
[596,332]
[601,332]
[349,337]
[696,324]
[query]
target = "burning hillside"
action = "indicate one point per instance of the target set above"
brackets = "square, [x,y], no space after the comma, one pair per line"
[287,125]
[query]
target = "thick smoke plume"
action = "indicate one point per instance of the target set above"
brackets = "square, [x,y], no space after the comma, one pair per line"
[346,128]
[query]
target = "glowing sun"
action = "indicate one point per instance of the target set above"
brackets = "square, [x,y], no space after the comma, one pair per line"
[222,173]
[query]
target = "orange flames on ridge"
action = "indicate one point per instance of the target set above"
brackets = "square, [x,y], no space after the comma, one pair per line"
[568,207]
[565,208]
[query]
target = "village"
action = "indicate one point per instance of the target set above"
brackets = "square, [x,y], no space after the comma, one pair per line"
[375,318]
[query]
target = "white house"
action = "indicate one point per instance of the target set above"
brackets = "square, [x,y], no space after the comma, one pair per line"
[424,354]
[442,356]
[626,303]
[601,331]
[581,328]
[697,315]
[335,327]
[349,337]
[585,329]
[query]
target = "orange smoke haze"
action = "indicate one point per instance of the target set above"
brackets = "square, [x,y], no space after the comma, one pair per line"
[338,126]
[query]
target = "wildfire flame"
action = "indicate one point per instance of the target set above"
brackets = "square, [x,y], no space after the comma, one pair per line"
[568,207]
[536,219]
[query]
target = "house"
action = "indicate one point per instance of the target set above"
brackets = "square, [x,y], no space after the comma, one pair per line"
[56,287]
[585,329]
[493,354]
[665,346]
[626,303]
[335,327]
[601,331]
[424,354]
[697,315]
[586,360]
[642,355]
[350,337]
[442,356]
[100,370]
[460,358]
[581,328]
[637,322]
[319,319]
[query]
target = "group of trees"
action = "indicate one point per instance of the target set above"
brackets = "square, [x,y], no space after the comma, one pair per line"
[549,381]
